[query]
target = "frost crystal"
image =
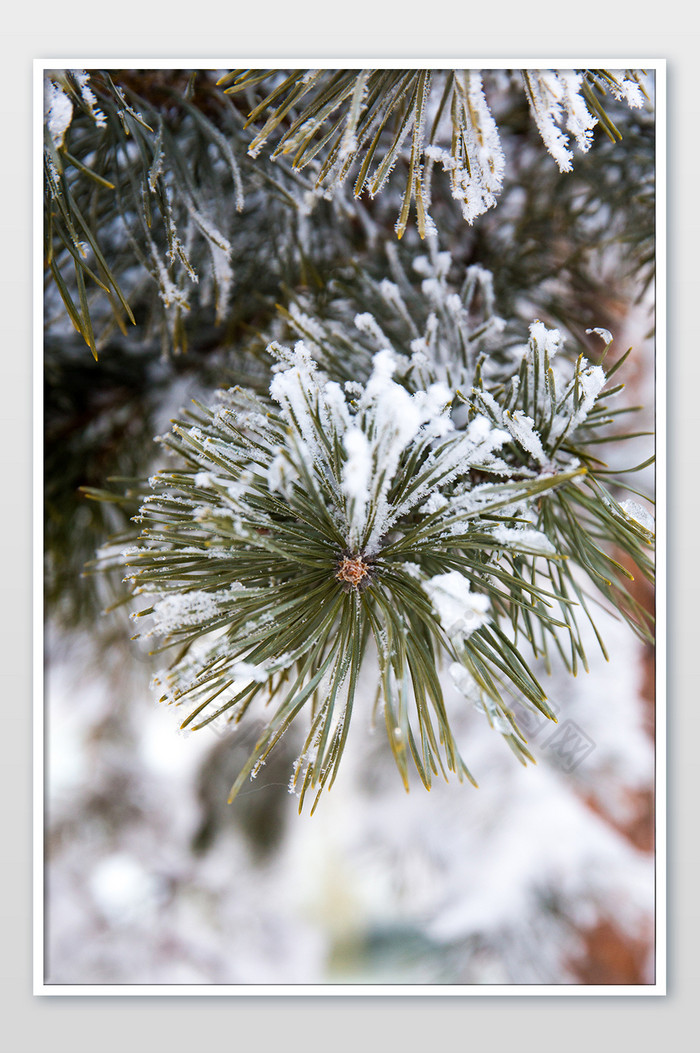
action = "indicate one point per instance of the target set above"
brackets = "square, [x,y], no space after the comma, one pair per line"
[555,99]
[522,428]
[82,79]
[476,167]
[59,112]
[629,90]
[185,609]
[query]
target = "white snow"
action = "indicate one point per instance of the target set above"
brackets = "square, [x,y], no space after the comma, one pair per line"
[604,334]
[58,109]
[460,611]
[523,539]
[635,511]
[357,472]
[281,474]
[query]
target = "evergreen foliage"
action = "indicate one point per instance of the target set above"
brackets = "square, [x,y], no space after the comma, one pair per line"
[342,115]
[390,471]
[150,198]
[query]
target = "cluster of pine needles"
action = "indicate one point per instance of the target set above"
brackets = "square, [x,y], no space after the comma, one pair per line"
[445,511]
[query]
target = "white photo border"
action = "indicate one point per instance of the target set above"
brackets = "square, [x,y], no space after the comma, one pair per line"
[659,986]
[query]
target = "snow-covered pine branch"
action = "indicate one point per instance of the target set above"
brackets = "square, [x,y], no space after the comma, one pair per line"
[299,536]
[338,121]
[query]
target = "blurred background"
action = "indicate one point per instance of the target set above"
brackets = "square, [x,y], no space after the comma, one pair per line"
[543,875]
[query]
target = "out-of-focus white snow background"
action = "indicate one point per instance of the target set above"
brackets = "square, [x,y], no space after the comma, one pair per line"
[542,875]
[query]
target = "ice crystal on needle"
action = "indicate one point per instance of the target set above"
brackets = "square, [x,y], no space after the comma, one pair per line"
[443,114]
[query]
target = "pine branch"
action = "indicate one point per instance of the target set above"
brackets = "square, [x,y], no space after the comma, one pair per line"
[154,214]
[357,119]
[418,524]
[418,483]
